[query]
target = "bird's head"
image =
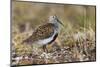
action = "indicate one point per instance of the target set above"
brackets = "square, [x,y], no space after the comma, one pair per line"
[54,19]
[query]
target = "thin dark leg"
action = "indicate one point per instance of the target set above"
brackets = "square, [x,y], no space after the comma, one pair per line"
[45,49]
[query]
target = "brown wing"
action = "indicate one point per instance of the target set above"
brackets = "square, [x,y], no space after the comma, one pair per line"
[42,32]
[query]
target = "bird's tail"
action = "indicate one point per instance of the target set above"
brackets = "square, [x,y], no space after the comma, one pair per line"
[27,41]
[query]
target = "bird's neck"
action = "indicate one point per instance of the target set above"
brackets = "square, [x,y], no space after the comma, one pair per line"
[57,26]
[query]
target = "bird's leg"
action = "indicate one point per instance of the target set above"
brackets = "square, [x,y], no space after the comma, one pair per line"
[49,47]
[45,49]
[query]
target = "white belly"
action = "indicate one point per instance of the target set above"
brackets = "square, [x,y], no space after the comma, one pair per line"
[47,40]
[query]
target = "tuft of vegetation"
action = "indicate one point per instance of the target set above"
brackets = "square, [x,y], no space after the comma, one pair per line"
[76,41]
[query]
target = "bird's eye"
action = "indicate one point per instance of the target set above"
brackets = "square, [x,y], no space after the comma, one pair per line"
[53,16]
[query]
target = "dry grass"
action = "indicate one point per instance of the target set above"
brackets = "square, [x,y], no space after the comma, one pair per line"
[77,37]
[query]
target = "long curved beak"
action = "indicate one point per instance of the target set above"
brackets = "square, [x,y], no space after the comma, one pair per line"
[61,24]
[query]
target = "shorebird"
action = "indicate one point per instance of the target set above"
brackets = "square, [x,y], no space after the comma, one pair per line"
[45,34]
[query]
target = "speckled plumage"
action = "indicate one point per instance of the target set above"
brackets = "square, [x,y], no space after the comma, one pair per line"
[41,32]
[46,33]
